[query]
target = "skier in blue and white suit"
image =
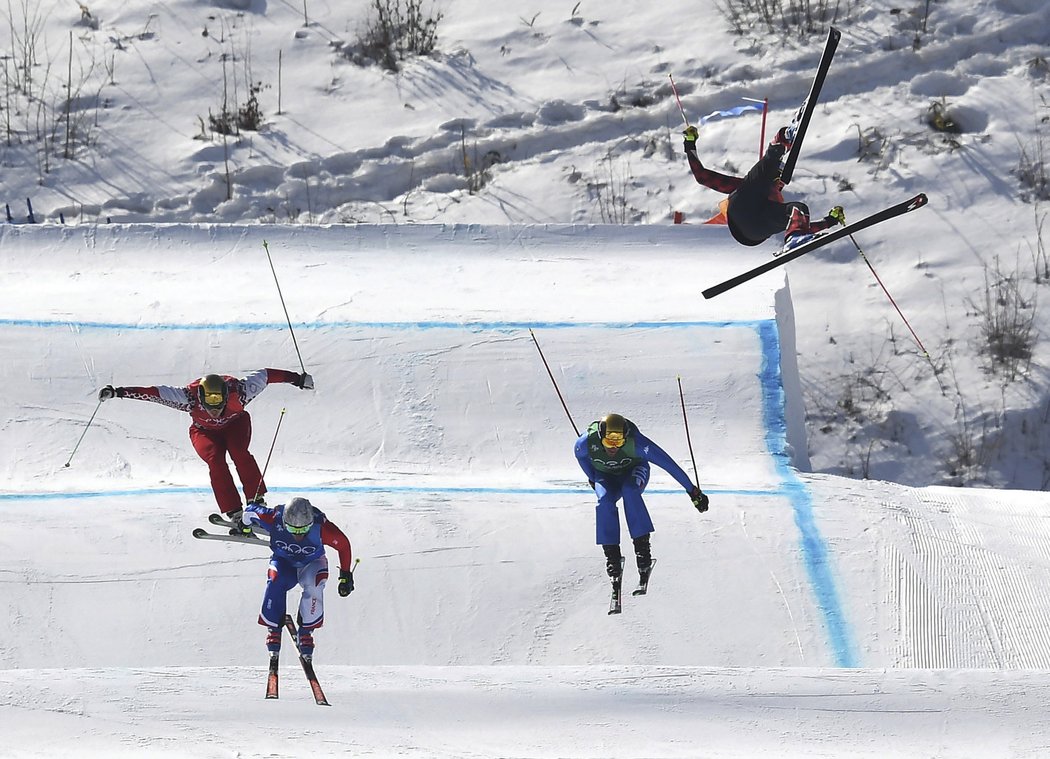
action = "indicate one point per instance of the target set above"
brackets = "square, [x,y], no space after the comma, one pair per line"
[615,456]
[298,534]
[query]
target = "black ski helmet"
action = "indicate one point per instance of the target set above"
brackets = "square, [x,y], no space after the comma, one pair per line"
[212,392]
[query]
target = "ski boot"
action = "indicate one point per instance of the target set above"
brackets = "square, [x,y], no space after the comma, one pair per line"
[613,562]
[273,640]
[240,527]
[785,137]
[644,558]
[306,644]
[798,231]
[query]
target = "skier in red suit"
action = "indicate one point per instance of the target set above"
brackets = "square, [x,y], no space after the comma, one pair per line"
[755,209]
[221,425]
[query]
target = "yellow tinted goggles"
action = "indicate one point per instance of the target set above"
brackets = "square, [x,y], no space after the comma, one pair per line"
[613,439]
[213,400]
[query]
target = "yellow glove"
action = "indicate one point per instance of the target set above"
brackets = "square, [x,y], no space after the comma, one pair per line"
[691,133]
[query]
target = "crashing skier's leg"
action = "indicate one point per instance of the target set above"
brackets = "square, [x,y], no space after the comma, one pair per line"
[835,217]
[613,561]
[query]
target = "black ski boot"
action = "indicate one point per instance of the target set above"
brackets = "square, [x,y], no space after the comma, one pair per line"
[613,562]
[644,556]
[240,527]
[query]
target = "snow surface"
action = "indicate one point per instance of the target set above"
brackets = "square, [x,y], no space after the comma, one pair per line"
[807,614]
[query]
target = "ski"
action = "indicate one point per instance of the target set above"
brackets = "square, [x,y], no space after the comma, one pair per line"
[616,601]
[817,242]
[271,676]
[307,664]
[643,581]
[800,121]
[202,534]
[220,520]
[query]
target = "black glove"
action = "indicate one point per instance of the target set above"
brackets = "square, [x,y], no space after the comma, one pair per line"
[346,582]
[107,392]
[304,382]
[699,499]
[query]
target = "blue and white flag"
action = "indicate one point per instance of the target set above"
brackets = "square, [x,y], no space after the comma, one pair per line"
[740,109]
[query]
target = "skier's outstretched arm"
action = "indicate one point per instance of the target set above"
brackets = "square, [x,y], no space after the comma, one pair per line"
[165,395]
[257,381]
[719,182]
[654,454]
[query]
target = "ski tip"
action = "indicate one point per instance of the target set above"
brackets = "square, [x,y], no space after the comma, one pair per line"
[199,531]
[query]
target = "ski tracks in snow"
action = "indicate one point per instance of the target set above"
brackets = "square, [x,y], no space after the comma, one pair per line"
[970,592]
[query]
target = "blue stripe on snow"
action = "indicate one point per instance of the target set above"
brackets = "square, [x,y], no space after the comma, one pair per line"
[263,326]
[814,549]
[427,489]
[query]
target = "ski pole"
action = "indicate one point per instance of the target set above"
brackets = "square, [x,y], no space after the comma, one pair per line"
[696,475]
[918,342]
[85,431]
[266,466]
[551,375]
[678,100]
[266,247]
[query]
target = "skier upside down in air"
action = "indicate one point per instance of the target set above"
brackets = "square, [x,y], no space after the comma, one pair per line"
[755,209]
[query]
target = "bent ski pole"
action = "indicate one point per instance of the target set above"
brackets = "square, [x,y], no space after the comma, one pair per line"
[696,475]
[266,466]
[551,375]
[266,247]
[75,447]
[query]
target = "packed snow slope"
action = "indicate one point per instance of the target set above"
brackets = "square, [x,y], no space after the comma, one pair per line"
[436,440]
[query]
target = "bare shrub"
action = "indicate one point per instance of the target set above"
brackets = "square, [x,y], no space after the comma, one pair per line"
[791,16]
[1007,318]
[609,189]
[477,169]
[397,30]
[1031,171]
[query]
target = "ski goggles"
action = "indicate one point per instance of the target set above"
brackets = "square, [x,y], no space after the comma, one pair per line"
[613,439]
[297,530]
[213,400]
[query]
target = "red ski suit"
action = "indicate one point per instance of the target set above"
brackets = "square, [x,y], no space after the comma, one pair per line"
[230,432]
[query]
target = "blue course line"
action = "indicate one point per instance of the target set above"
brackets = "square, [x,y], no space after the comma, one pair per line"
[409,325]
[814,549]
[140,492]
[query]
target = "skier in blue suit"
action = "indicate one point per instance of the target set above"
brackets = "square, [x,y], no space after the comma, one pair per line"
[299,533]
[615,456]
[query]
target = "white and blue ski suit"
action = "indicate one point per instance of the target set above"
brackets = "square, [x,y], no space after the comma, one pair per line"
[297,561]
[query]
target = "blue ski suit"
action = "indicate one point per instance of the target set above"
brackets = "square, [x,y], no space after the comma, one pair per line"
[623,474]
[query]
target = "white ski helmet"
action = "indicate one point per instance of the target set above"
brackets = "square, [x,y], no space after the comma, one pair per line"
[298,516]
